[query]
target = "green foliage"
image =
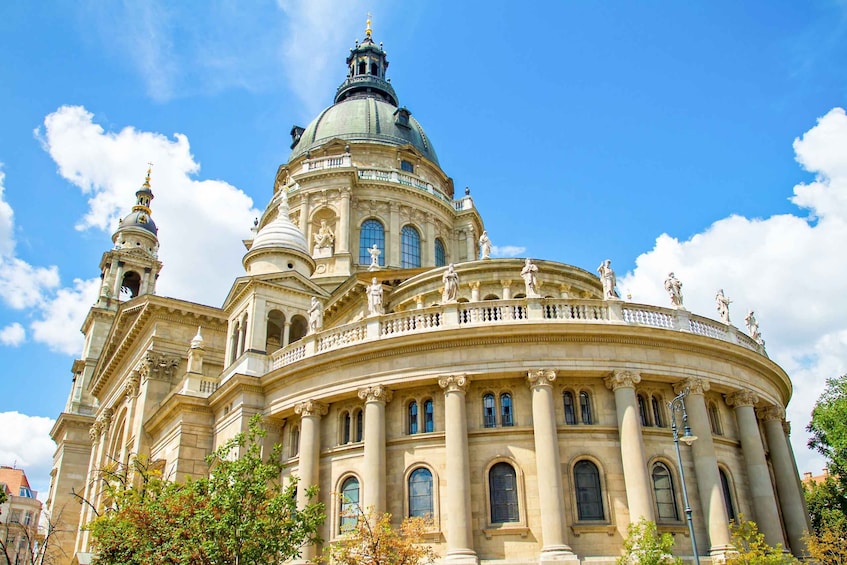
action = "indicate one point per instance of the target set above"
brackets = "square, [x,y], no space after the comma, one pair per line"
[374,541]
[827,503]
[3,496]
[751,548]
[240,515]
[829,427]
[644,546]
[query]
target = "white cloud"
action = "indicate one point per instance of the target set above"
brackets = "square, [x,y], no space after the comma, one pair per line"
[26,443]
[315,39]
[62,315]
[7,220]
[12,335]
[201,222]
[788,268]
[507,250]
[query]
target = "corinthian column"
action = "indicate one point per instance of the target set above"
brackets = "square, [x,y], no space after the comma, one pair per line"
[551,497]
[636,477]
[373,493]
[761,489]
[459,539]
[791,500]
[310,449]
[706,466]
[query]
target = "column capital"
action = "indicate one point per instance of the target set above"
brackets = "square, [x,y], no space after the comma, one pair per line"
[454,383]
[771,413]
[474,284]
[786,427]
[311,408]
[540,377]
[131,386]
[622,378]
[376,393]
[506,283]
[743,397]
[694,385]
[94,432]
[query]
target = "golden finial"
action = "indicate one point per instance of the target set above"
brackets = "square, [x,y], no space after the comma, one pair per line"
[147,178]
[368,28]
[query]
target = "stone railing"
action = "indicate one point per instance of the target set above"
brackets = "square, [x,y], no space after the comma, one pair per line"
[400,177]
[518,311]
[331,162]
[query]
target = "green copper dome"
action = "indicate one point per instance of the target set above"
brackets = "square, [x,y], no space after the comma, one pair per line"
[365,109]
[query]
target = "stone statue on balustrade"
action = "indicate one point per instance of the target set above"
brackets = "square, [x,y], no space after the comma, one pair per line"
[451,285]
[374,253]
[485,245]
[722,303]
[324,239]
[609,280]
[674,288]
[316,316]
[375,298]
[529,274]
[753,328]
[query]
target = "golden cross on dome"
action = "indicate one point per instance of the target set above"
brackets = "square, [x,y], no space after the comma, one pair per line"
[368,28]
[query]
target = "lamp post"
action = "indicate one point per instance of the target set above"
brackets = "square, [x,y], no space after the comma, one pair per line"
[677,406]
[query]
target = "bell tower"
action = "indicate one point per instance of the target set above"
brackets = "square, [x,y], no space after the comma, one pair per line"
[131,268]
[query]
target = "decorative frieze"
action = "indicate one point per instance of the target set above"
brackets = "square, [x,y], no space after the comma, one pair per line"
[158,366]
[454,383]
[622,378]
[311,408]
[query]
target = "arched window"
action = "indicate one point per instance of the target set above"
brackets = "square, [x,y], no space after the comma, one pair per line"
[503,493]
[489,418]
[274,331]
[348,511]
[363,66]
[429,420]
[299,328]
[715,419]
[295,441]
[585,407]
[657,412]
[242,340]
[410,248]
[130,285]
[420,492]
[727,495]
[642,411]
[570,411]
[440,254]
[345,427]
[359,427]
[666,508]
[589,498]
[413,417]
[506,414]
[233,347]
[372,232]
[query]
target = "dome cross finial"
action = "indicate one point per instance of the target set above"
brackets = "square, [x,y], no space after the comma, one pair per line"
[368,30]
[147,178]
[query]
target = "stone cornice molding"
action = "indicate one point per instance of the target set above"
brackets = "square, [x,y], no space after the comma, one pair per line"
[539,378]
[771,413]
[694,385]
[622,378]
[376,393]
[744,397]
[311,408]
[454,383]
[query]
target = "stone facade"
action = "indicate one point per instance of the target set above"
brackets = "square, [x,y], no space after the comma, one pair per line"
[532,429]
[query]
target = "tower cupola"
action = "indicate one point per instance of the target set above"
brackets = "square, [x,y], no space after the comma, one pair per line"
[366,67]
[279,245]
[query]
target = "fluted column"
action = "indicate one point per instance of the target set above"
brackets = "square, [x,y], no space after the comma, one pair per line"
[373,492]
[459,534]
[791,500]
[551,498]
[761,489]
[310,413]
[343,239]
[706,466]
[635,474]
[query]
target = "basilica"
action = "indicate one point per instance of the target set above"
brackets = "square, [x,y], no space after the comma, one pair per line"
[520,403]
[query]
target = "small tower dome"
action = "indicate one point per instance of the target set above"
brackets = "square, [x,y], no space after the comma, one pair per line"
[279,245]
[137,230]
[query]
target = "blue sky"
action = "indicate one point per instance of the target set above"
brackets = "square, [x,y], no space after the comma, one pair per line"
[699,137]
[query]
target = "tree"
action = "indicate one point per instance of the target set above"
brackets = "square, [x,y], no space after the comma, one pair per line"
[240,515]
[751,548]
[374,541]
[829,428]
[644,546]
[29,544]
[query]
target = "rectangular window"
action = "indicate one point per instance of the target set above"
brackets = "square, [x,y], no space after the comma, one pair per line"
[407,166]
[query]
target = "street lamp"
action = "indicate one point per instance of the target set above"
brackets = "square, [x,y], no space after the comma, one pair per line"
[677,406]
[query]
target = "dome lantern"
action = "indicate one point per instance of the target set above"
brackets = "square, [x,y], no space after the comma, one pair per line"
[366,67]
